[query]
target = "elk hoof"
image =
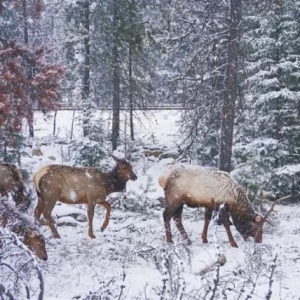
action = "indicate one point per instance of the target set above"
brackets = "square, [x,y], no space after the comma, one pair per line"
[56,235]
[205,241]
[92,236]
[189,242]
[102,229]
[234,245]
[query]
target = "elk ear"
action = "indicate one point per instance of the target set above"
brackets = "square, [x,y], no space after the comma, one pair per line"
[258,218]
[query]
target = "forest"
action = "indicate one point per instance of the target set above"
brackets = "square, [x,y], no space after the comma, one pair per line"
[231,68]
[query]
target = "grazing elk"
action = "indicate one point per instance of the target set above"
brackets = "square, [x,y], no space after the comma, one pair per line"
[11,182]
[73,185]
[21,225]
[198,186]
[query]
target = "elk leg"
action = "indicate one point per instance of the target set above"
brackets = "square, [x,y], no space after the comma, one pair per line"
[224,219]
[167,218]
[207,217]
[90,214]
[229,234]
[39,209]
[178,221]
[50,223]
[107,206]
[223,215]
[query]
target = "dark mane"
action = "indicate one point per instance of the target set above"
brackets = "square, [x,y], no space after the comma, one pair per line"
[242,198]
[112,181]
[242,212]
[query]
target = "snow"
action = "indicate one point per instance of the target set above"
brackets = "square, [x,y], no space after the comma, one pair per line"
[289,169]
[132,252]
[72,195]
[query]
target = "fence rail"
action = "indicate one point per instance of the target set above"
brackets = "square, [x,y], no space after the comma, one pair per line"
[160,107]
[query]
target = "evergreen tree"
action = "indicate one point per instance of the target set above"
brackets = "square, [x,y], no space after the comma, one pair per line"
[272,142]
[123,71]
[203,48]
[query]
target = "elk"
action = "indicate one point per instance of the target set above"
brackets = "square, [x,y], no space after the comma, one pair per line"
[11,182]
[74,185]
[198,186]
[22,226]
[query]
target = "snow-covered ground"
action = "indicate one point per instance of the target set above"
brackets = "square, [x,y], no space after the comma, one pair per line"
[130,259]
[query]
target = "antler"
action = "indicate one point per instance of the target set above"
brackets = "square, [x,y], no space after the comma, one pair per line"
[272,208]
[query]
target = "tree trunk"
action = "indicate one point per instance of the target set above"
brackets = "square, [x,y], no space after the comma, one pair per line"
[230,87]
[54,123]
[86,73]
[30,75]
[116,101]
[116,83]
[130,93]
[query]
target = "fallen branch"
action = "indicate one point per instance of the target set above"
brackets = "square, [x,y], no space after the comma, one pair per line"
[220,262]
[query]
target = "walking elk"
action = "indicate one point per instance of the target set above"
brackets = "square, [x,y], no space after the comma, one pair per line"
[73,185]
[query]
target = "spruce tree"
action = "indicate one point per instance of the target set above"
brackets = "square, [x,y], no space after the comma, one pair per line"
[271,144]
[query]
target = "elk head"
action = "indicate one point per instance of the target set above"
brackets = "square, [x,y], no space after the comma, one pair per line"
[124,169]
[258,222]
[248,224]
[36,243]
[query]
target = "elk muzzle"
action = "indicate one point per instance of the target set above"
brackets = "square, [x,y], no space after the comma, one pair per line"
[133,177]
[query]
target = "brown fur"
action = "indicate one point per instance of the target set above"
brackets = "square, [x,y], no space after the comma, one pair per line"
[22,226]
[73,185]
[11,182]
[209,188]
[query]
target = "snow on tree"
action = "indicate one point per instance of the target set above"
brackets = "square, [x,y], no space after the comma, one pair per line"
[272,139]
[27,81]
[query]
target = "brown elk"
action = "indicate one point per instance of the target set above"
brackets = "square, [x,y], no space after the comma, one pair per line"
[11,182]
[73,185]
[21,225]
[198,186]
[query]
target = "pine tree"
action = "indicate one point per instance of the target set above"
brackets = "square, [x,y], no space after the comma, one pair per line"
[202,45]
[271,144]
[122,69]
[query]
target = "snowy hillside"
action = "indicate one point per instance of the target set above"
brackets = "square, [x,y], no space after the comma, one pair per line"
[130,259]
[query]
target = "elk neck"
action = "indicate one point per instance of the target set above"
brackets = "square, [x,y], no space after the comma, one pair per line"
[241,212]
[113,182]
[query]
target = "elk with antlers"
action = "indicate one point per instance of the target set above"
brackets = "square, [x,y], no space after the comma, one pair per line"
[198,186]
[72,185]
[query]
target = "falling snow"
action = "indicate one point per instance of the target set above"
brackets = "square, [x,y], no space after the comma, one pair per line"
[133,243]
